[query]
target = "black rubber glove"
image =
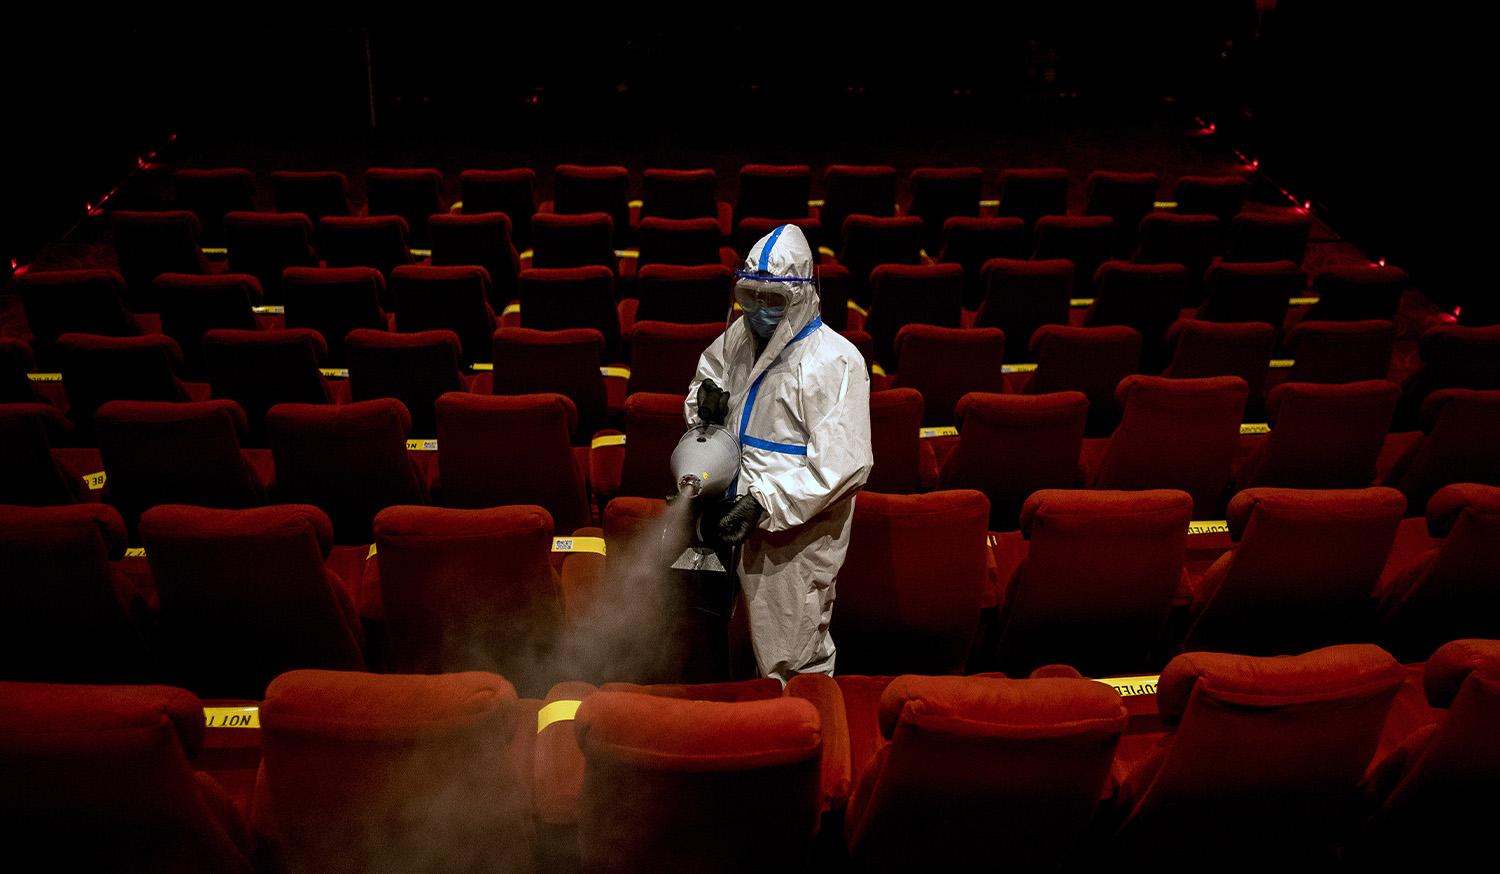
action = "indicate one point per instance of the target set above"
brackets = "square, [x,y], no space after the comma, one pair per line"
[737,523]
[713,403]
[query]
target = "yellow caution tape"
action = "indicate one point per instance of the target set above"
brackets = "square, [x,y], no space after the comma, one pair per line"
[628,253]
[633,204]
[557,711]
[421,445]
[215,250]
[371,554]
[990,540]
[578,544]
[1164,204]
[877,370]
[268,310]
[1018,368]
[483,366]
[44,377]
[1282,363]
[525,253]
[95,481]
[857,308]
[421,253]
[1255,428]
[1129,686]
[231,717]
[1302,301]
[607,440]
[620,372]
[1079,302]
[335,372]
[511,309]
[824,250]
[990,203]
[1212,526]
[922,253]
[939,431]
[458,206]
[135,552]
[817,203]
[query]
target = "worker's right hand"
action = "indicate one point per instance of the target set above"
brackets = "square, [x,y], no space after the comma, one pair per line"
[713,403]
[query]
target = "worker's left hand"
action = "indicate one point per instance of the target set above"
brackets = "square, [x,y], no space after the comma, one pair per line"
[736,523]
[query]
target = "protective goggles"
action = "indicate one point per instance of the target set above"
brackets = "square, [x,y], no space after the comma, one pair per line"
[753,291]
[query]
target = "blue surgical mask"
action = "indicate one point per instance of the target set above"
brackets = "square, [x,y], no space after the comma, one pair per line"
[763,320]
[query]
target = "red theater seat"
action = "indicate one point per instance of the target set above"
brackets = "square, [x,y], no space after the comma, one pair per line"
[856,189]
[686,242]
[564,240]
[1221,196]
[1096,582]
[1176,238]
[210,194]
[350,460]
[1452,356]
[910,588]
[871,241]
[1124,197]
[685,295]
[940,193]
[177,453]
[583,189]
[378,241]
[334,301]
[1085,240]
[446,299]
[557,298]
[67,619]
[16,362]
[265,244]
[1030,194]
[1449,590]
[415,369]
[945,364]
[314,193]
[479,240]
[565,362]
[684,194]
[1461,429]
[1301,574]
[194,305]
[148,244]
[1350,294]
[976,764]
[1240,349]
[1253,292]
[1269,236]
[973,242]
[895,441]
[902,294]
[61,302]
[674,785]
[664,357]
[80,763]
[512,192]
[29,475]
[774,191]
[1264,756]
[1088,360]
[97,370]
[1022,296]
[511,450]
[259,369]
[1175,434]
[1340,351]
[1322,436]
[470,589]
[1012,445]
[412,194]
[363,770]
[1146,297]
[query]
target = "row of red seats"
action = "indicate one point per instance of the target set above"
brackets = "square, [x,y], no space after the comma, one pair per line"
[1335,755]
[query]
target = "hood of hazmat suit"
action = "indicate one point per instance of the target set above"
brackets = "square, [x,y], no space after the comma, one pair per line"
[801,411]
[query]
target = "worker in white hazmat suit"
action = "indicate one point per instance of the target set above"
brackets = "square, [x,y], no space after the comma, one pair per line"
[797,395]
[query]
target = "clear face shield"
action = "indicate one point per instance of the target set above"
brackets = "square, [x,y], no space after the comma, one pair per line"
[764,298]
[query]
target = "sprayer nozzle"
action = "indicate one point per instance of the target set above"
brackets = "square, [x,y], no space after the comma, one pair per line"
[689,485]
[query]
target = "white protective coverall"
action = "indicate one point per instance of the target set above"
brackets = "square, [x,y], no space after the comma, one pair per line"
[802,414]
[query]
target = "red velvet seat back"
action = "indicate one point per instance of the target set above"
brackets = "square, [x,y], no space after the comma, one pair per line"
[481,240]
[1221,196]
[1175,434]
[773,191]
[972,242]
[514,449]
[16,362]
[687,241]
[259,369]
[61,302]
[1146,297]
[1032,193]
[378,241]
[1453,356]
[1340,351]
[945,364]
[264,244]
[580,189]
[79,764]
[350,460]
[1087,360]
[1124,197]
[565,240]
[1022,296]
[314,193]
[446,299]
[1084,240]
[512,192]
[1350,294]
[149,244]
[895,441]
[245,596]
[903,294]
[1322,436]
[685,295]
[908,593]
[470,590]
[412,194]
[1448,591]
[564,362]
[870,241]
[697,785]
[210,194]
[1012,445]
[189,453]
[939,193]
[1302,574]
[1269,236]
[1097,582]
[415,369]
[364,771]
[977,763]
[558,298]
[334,301]
[97,370]
[63,621]
[1188,239]
[191,306]
[1242,349]
[856,189]
[1462,430]
[1264,757]
[29,476]
[653,425]
[664,356]
[679,194]
[1251,292]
